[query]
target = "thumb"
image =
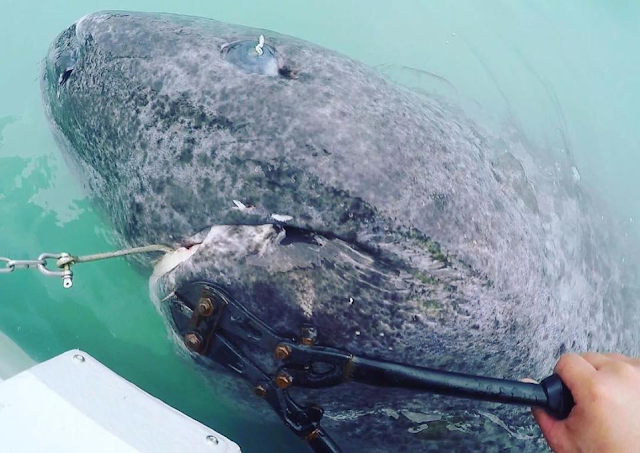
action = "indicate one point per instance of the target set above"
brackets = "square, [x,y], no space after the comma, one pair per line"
[554,430]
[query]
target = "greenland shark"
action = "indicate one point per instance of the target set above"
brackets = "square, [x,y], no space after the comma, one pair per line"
[315,190]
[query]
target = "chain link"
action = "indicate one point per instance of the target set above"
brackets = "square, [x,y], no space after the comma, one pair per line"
[8,268]
[12,265]
[64,261]
[24,264]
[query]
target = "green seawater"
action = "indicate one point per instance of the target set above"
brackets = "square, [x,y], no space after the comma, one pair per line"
[566,73]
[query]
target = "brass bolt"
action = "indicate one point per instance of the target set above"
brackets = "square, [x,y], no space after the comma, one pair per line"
[284,380]
[260,391]
[282,352]
[205,306]
[193,341]
[312,435]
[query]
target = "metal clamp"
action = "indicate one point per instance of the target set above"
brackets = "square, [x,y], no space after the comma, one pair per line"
[213,324]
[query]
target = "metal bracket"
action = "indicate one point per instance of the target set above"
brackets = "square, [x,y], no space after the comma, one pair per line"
[212,325]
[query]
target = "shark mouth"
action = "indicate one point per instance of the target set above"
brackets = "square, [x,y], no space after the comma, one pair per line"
[228,242]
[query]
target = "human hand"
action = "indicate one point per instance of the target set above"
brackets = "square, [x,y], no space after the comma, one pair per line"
[606,415]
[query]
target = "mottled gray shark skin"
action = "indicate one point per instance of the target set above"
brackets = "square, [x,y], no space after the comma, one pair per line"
[319,191]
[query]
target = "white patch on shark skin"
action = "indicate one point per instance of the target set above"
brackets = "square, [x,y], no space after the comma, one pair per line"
[172,260]
[354,414]
[281,218]
[240,206]
[419,417]
[166,264]
[424,420]
[390,413]
[502,424]
[418,428]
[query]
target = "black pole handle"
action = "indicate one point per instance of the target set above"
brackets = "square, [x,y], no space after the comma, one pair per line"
[551,394]
[558,402]
[559,397]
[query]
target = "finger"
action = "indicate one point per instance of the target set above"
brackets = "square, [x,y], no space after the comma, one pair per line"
[596,359]
[574,370]
[623,358]
[554,431]
[599,361]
